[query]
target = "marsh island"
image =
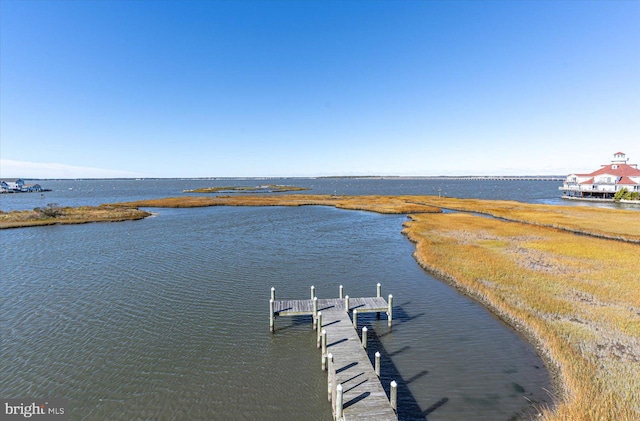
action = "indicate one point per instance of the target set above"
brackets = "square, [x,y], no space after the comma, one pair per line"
[266,188]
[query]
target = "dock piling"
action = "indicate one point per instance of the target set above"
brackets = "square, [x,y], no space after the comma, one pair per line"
[313,292]
[273,293]
[323,342]
[272,316]
[338,332]
[341,292]
[330,376]
[319,329]
[364,337]
[394,395]
[378,295]
[390,310]
[315,312]
[339,402]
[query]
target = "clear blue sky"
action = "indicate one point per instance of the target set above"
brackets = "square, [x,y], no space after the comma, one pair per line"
[310,88]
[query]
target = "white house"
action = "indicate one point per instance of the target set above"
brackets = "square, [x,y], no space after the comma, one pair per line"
[16,185]
[12,184]
[604,182]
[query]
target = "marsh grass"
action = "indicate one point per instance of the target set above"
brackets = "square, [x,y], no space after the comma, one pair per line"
[606,223]
[380,204]
[576,297]
[580,219]
[68,215]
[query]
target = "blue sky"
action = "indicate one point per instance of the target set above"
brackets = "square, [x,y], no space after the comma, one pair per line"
[312,88]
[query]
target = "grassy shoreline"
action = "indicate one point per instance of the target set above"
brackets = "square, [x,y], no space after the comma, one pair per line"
[579,306]
[575,297]
[372,203]
[53,215]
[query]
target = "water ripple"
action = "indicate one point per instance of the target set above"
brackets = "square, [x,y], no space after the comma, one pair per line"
[167,318]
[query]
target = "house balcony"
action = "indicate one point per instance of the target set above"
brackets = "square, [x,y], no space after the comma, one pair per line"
[589,188]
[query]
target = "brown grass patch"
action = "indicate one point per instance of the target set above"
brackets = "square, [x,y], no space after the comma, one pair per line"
[577,297]
[603,222]
[380,204]
[67,215]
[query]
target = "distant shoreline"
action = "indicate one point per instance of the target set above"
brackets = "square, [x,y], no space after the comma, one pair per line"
[267,188]
[374,177]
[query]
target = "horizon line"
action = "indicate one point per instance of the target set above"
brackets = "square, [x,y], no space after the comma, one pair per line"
[406,177]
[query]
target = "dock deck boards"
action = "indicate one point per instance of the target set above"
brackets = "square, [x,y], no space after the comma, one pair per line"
[364,398]
[305,307]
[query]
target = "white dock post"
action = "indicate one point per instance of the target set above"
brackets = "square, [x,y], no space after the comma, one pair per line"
[313,292]
[273,293]
[341,292]
[319,329]
[378,295]
[364,337]
[315,312]
[394,395]
[390,311]
[346,303]
[323,342]
[339,402]
[377,363]
[355,318]
[329,377]
[272,317]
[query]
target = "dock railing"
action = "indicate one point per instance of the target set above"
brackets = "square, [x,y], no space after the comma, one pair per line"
[348,358]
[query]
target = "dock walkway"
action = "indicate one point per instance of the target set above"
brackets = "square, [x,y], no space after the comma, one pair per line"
[344,354]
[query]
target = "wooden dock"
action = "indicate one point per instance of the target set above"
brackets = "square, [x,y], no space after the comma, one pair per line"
[353,383]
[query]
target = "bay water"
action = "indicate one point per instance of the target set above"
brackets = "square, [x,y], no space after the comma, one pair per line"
[167,317]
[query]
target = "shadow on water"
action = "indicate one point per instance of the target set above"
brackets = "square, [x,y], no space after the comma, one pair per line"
[294,322]
[408,407]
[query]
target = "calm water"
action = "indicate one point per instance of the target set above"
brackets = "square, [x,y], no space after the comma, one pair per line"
[167,318]
[95,192]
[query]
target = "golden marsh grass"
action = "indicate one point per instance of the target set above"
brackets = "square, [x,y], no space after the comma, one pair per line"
[67,215]
[581,219]
[380,204]
[576,297]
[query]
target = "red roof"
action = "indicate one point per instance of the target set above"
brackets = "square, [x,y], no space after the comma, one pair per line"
[627,180]
[589,181]
[621,170]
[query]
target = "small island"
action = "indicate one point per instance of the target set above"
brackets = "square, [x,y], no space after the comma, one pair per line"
[266,188]
[53,214]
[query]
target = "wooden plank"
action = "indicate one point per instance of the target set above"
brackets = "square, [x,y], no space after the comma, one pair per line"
[364,397]
[305,307]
